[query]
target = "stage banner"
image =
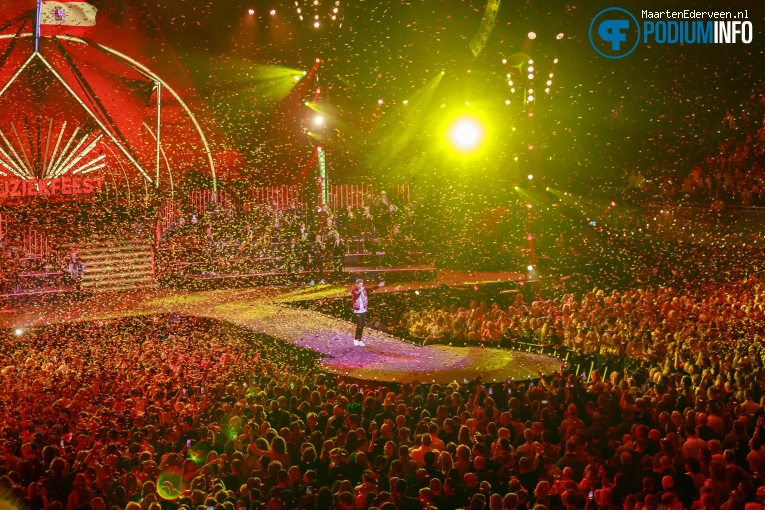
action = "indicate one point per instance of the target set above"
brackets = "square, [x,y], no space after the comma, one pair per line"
[18,188]
[73,18]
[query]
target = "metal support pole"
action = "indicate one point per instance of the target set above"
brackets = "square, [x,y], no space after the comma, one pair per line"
[159,124]
[37,26]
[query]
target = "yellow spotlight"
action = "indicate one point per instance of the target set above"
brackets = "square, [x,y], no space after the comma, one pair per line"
[466,134]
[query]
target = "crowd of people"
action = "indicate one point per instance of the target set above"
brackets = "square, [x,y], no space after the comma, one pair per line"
[733,172]
[290,237]
[602,322]
[171,414]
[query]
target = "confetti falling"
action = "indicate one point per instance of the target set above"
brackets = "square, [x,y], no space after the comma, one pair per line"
[641,219]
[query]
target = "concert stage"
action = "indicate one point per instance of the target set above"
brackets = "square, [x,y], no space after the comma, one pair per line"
[267,310]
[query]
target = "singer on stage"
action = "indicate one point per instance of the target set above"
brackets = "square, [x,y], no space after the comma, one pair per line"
[360,301]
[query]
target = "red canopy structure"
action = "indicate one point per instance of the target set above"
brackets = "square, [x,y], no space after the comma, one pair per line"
[78,111]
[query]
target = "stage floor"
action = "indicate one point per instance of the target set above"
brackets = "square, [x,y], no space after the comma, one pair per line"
[266,310]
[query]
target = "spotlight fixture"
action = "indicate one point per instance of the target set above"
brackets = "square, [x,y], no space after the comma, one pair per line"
[251,12]
[532,35]
[466,134]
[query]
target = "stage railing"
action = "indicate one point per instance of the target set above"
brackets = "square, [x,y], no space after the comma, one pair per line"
[283,196]
[37,245]
[359,195]
[34,244]
[578,362]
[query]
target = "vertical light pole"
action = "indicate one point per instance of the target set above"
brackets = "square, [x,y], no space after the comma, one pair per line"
[323,186]
[37,26]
